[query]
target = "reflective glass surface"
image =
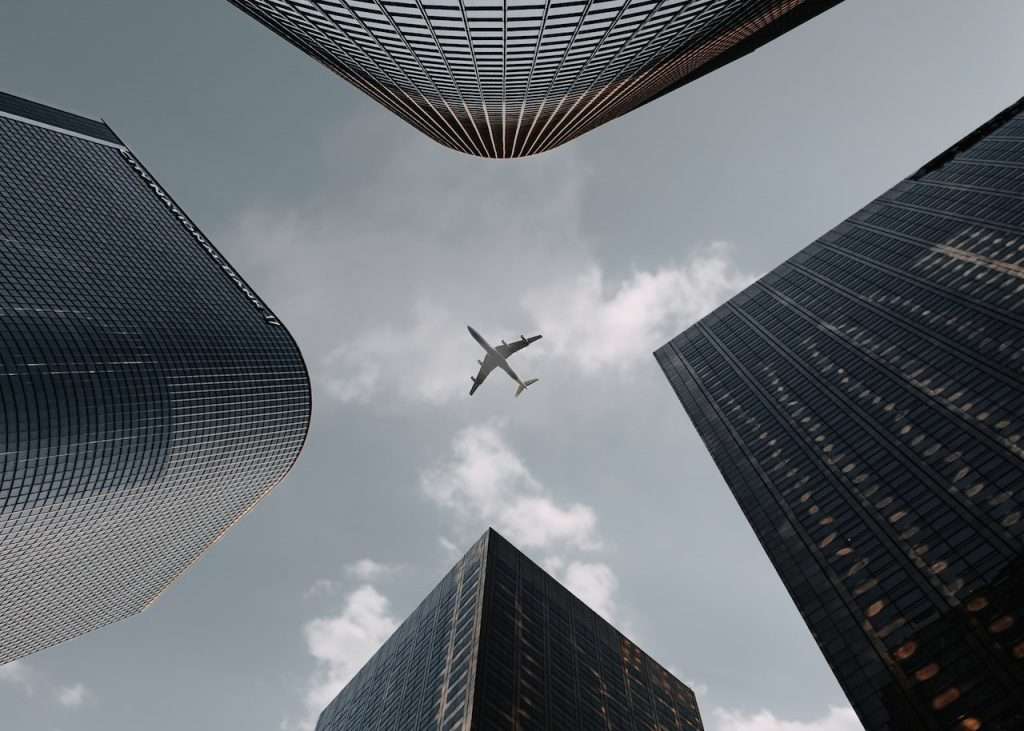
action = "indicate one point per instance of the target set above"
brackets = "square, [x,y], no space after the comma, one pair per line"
[148,398]
[507,78]
[865,404]
[499,644]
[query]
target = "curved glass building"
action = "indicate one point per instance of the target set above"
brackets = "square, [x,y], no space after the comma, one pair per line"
[148,397]
[509,78]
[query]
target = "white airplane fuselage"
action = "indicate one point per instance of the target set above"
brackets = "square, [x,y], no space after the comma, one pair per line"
[492,353]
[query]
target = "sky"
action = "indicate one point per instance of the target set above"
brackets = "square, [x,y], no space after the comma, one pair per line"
[376,247]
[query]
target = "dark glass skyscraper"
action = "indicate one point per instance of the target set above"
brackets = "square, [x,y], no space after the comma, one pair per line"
[148,397]
[499,645]
[865,403]
[508,78]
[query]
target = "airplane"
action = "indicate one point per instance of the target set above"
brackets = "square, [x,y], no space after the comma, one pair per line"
[498,358]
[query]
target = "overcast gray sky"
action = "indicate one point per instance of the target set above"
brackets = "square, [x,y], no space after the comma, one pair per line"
[376,247]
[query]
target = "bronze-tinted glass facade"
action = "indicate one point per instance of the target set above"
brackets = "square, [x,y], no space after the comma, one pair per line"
[508,78]
[148,398]
[500,645]
[865,404]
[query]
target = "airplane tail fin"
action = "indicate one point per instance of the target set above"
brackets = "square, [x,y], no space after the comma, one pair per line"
[523,386]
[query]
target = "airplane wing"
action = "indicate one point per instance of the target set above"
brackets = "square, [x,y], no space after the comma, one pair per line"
[507,349]
[486,367]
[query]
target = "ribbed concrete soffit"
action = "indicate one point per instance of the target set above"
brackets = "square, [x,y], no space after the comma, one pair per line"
[514,78]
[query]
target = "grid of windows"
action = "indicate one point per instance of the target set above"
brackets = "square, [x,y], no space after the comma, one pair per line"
[550,663]
[148,399]
[499,644]
[422,677]
[864,403]
[508,78]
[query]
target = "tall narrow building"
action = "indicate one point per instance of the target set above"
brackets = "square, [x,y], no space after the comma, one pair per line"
[865,404]
[499,645]
[148,397]
[509,78]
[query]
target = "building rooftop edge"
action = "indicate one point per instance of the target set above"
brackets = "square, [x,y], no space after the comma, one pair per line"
[964,143]
[970,139]
[57,118]
[492,533]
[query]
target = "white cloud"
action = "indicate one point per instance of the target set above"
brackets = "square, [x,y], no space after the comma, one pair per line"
[344,642]
[321,587]
[586,320]
[535,521]
[424,362]
[363,570]
[17,674]
[601,326]
[837,719]
[72,696]
[378,279]
[554,565]
[699,689]
[449,547]
[485,482]
[411,227]
[595,584]
[366,569]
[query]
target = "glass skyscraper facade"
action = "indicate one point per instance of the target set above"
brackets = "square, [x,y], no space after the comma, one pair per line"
[865,404]
[508,78]
[148,397]
[499,645]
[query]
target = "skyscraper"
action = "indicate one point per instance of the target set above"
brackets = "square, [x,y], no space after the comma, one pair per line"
[500,645]
[865,404]
[508,78]
[148,397]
